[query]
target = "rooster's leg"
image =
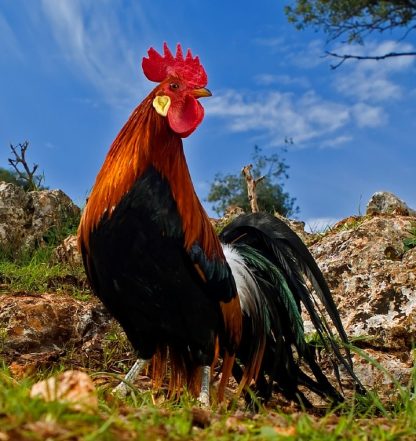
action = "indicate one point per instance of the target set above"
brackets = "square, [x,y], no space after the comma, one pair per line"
[122,389]
[206,379]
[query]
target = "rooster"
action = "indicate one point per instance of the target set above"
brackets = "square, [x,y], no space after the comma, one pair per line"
[182,294]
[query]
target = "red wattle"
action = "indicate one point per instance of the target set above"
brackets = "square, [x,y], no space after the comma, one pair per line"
[185,117]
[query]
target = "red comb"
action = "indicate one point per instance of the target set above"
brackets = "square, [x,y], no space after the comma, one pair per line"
[157,67]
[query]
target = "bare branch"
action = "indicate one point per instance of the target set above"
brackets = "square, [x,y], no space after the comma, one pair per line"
[28,175]
[346,57]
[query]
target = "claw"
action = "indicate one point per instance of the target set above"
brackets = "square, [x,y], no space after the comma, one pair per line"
[122,389]
[204,399]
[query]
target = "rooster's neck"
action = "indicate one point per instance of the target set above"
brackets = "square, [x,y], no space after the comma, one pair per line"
[146,141]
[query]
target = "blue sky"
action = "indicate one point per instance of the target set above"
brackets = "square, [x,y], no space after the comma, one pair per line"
[71,75]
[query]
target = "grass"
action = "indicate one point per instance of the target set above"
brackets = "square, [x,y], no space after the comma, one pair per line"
[36,272]
[140,418]
[350,224]
[147,414]
[410,242]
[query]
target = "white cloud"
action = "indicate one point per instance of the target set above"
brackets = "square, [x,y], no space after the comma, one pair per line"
[307,118]
[287,80]
[275,43]
[368,116]
[92,42]
[336,142]
[276,115]
[362,89]
[373,86]
[294,53]
[371,80]
[307,57]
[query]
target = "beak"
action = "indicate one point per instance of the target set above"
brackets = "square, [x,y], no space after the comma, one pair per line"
[201,92]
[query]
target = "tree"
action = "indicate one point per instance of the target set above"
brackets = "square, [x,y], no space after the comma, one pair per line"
[231,190]
[27,177]
[353,21]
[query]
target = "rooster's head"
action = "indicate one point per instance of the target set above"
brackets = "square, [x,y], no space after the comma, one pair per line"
[182,81]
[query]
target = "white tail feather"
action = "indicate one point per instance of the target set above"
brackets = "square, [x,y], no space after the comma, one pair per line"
[247,287]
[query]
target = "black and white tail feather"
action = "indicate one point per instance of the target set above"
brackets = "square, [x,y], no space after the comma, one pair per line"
[276,279]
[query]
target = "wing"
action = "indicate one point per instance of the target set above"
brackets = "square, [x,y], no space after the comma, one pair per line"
[151,199]
[215,273]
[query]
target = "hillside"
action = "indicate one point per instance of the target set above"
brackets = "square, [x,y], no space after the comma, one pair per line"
[50,324]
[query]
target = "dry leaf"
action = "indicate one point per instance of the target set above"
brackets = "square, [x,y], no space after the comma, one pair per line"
[74,387]
[285,431]
[45,429]
[20,371]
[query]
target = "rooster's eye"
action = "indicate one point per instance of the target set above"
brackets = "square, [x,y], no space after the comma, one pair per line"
[174,86]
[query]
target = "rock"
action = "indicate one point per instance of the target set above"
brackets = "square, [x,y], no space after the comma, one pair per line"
[30,219]
[67,252]
[73,387]
[29,364]
[48,323]
[52,209]
[373,280]
[384,202]
[15,218]
[231,213]
[397,371]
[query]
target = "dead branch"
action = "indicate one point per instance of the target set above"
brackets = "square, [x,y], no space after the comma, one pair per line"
[251,187]
[28,175]
[346,57]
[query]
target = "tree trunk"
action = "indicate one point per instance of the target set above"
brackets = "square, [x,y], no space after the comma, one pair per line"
[251,187]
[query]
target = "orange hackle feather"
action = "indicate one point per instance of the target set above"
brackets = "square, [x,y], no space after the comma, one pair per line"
[146,140]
